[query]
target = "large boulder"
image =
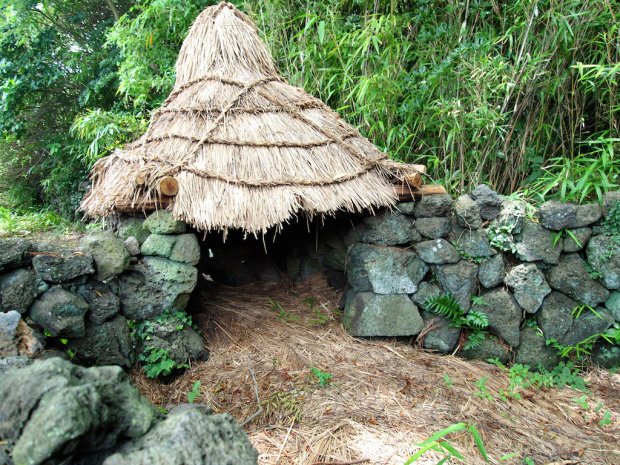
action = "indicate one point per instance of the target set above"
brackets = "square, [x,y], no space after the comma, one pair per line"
[488,201]
[511,216]
[425,291]
[434,227]
[534,352]
[604,256]
[492,271]
[503,313]
[528,285]
[491,348]
[132,227]
[577,239]
[439,333]
[18,289]
[472,244]
[437,252]
[155,285]
[109,253]
[536,243]
[391,228]
[51,411]
[613,304]
[62,266]
[384,270]
[433,205]
[8,333]
[60,312]
[162,222]
[102,300]
[467,212]
[556,215]
[180,341]
[459,280]
[368,314]
[13,252]
[189,437]
[610,200]
[106,343]
[571,277]
[182,248]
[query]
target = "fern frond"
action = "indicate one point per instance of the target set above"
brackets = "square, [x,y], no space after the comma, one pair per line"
[446,305]
[476,319]
[474,339]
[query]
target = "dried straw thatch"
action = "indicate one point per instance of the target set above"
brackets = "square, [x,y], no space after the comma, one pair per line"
[385,396]
[248,150]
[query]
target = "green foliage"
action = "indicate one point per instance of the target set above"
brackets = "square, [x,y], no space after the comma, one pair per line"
[323,377]
[281,313]
[191,396]
[500,236]
[157,362]
[448,380]
[24,222]
[438,443]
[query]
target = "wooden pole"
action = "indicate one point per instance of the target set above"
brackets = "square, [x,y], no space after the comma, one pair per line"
[168,186]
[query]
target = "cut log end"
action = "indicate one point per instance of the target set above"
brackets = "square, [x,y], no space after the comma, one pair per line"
[168,186]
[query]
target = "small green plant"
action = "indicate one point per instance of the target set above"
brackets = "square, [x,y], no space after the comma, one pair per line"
[474,321]
[447,380]
[566,234]
[500,236]
[528,461]
[191,395]
[438,443]
[323,377]
[157,362]
[281,313]
[483,391]
[582,401]
[606,420]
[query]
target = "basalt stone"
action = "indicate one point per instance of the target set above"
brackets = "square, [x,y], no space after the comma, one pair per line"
[389,229]
[12,363]
[528,285]
[8,333]
[587,214]
[437,252]
[186,249]
[606,356]
[162,222]
[302,268]
[604,256]
[577,239]
[534,352]
[488,201]
[13,252]
[18,289]
[107,343]
[334,240]
[536,243]
[336,259]
[158,245]
[610,199]
[588,324]
[60,312]
[384,270]
[492,271]
[155,285]
[406,208]
[433,205]
[571,277]
[62,266]
[132,227]
[511,216]
[459,280]
[264,269]
[613,305]
[101,298]
[133,246]
[440,335]
[183,345]
[503,313]
[490,348]
[467,212]
[472,243]
[189,437]
[425,291]
[368,314]
[434,227]
[109,253]
[556,215]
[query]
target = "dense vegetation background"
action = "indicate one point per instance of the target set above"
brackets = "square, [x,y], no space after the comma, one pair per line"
[522,94]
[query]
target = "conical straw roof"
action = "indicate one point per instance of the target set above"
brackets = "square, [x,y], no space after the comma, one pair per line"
[247,149]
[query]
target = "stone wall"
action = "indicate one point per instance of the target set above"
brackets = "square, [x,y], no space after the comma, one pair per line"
[529,270]
[80,298]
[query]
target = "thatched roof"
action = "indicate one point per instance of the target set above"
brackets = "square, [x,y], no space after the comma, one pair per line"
[248,150]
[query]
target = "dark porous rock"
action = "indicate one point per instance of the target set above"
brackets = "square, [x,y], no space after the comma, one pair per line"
[60,312]
[440,335]
[488,201]
[571,277]
[511,216]
[18,289]
[182,344]
[391,228]
[264,269]
[12,363]
[158,245]
[368,314]
[8,333]
[132,245]
[604,256]
[434,227]
[62,266]
[433,205]
[491,347]
[557,322]
[107,343]
[53,411]
[336,259]
[556,215]
[459,280]
[467,212]
[300,268]
[536,243]
[613,304]
[155,285]
[610,199]
[576,239]
[132,227]
[162,222]
[13,252]
[472,244]
[492,271]
[186,249]
[384,270]
[587,214]
[606,356]
[425,291]
[504,315]
[437,252]
[109,253]
[534,352]
[528,285]
[189,437]
[101,299]
[406,208]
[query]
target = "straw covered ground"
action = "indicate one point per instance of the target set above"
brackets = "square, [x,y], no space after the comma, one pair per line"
[384,396]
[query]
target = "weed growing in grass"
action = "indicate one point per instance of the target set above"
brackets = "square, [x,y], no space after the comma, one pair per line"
[191,396]
[281,313]
[323,377]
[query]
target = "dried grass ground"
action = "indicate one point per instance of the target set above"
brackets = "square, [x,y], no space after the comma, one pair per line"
[385,396]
